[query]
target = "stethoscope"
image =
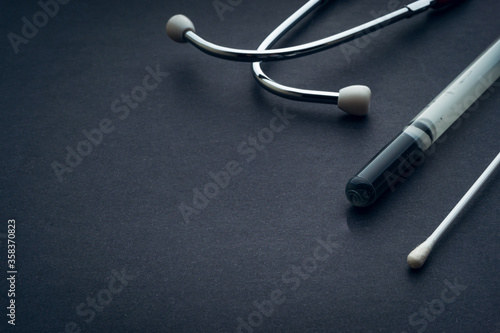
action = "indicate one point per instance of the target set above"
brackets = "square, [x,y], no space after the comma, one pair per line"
[354,99]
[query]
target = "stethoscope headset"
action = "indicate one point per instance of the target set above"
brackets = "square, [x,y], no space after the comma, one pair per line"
[354,99]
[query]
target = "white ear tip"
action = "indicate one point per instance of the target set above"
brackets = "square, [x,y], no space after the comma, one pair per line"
[355,100]
[177,26]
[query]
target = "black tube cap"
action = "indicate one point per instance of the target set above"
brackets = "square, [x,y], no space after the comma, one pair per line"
[391,165]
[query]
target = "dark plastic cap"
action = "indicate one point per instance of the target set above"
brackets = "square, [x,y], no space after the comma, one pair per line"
[360,192]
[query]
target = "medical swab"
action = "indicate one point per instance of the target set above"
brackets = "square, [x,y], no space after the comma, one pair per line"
[417,257]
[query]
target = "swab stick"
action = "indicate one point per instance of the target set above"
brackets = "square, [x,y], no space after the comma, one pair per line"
[417,257]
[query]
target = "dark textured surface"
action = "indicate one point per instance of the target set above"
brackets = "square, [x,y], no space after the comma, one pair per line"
[119,207]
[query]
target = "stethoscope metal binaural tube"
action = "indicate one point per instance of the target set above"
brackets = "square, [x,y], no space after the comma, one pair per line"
[353,99]
[181,29]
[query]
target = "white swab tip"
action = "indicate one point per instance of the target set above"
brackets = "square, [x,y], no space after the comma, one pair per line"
[177,26]
[417,257]
[355,100]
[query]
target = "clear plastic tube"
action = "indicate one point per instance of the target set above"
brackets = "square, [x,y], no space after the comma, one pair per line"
[397,159]
[461,93]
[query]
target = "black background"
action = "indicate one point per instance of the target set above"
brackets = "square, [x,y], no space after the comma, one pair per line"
[119,208]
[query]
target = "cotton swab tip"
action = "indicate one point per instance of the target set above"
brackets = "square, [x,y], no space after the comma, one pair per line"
[417,257]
